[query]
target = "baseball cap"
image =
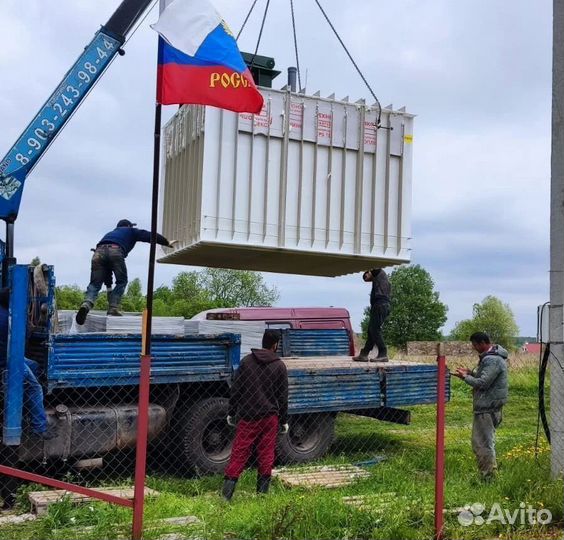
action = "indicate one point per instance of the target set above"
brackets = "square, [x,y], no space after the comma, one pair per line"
[125,223]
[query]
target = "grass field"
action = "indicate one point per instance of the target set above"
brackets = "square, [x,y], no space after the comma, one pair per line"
[399,492]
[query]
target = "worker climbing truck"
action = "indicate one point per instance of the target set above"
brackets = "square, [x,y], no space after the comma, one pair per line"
[91,382]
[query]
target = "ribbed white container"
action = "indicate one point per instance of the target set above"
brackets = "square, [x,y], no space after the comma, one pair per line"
[309,186]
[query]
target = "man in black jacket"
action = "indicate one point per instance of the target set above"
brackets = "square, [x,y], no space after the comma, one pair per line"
[258,405]
[379,311]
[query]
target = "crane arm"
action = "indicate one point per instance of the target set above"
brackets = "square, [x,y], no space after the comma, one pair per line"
[63,102]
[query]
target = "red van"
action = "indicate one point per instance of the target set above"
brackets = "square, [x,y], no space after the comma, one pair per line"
[311,318]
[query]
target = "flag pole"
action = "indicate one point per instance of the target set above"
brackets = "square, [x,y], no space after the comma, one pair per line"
[145,374]
[148,313]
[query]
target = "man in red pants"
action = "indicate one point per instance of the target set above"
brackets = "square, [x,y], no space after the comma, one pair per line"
[259,403]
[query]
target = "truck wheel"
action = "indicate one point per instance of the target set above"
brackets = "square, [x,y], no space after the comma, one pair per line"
[309,437]
[205,436]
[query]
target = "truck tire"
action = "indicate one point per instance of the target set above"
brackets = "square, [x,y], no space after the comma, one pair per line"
[309,437]
[205,437]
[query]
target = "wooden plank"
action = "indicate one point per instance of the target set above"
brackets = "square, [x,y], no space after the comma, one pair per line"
[41,500]
[322,476]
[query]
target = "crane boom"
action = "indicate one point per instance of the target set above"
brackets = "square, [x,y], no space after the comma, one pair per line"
[63,102]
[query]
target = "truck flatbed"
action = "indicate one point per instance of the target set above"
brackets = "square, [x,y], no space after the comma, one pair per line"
[325,383]
[332,362]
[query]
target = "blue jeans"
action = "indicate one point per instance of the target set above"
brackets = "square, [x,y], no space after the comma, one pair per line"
[33,397]
[108,259]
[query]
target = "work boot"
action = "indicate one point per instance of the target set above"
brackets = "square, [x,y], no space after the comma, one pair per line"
[263,483]
[228,488]
[114,312]
[362,357]
[380,359]
[82,312]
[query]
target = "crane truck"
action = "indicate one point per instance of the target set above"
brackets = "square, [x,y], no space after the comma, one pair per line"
[91,379]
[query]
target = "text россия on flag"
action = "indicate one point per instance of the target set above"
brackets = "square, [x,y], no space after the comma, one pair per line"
[199,61]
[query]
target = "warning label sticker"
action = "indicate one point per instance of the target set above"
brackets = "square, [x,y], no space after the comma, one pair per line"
[259,123]
[324,126]
[370,135]
[296,118]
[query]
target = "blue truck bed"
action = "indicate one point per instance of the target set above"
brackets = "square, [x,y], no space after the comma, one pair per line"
[199,367]
[316,383]
[320,384]
[102,360]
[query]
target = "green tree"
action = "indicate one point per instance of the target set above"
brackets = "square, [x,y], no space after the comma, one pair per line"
[491,316]
[69,296]
[416,312]
[189,294]
[232,288]
[133,299]
[185,298]
[72,296]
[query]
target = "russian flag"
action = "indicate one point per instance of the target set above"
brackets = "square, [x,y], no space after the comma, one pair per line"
[199,61]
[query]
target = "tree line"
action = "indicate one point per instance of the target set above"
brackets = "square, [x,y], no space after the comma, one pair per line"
[189,294]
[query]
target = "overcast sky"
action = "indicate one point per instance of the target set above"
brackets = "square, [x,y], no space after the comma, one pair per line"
[476,73]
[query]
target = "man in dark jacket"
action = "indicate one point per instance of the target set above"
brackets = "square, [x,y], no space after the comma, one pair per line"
[490,389]
[258,405]
[379,311]
[109,258]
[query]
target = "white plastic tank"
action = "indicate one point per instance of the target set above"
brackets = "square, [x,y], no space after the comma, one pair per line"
[308,186]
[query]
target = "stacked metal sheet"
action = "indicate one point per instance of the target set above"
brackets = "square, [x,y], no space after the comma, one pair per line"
[63,321]
[99,322]
[251,331]
[66,324]
[132,324]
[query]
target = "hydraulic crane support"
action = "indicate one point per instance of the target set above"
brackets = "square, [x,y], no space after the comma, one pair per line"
[53,115]
[13,384]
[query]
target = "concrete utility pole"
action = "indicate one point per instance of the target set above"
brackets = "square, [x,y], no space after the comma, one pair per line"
[557,243]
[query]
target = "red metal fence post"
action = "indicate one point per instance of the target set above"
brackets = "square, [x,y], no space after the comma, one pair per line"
[59,484]
[141,452]
[440,443]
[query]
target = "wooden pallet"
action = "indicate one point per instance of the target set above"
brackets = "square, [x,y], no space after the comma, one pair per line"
[327,476]
[41,500]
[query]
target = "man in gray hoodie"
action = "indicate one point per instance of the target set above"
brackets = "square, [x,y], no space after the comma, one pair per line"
[490,390]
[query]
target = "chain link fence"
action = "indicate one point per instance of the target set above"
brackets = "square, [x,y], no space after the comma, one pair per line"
[358,460]
[524,498]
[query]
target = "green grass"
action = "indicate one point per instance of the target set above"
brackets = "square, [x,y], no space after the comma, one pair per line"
[400,489]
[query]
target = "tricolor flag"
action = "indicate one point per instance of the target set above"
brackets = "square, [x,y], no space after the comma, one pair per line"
[199,61]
